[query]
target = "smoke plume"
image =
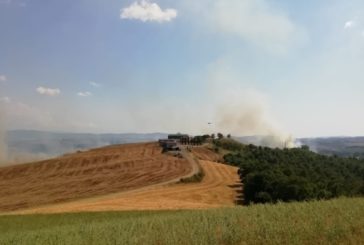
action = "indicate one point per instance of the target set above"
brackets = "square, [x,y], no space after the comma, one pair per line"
[247,113]
[242,111]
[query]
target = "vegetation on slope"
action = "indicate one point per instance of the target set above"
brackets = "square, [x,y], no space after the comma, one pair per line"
[297,174]
[229,144]
[338,221]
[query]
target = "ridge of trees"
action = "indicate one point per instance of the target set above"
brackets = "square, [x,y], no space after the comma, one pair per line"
[298,174]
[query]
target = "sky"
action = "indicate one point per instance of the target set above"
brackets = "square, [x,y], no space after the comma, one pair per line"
[246,66]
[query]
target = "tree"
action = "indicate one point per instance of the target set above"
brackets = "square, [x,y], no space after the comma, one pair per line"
[220,136]
[229,136]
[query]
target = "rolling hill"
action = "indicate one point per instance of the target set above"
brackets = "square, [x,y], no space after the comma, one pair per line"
[86,174]
[30,145]
[120,177]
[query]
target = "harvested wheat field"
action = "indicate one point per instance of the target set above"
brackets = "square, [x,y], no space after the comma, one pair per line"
[219,188]
[87,174]
[204,153]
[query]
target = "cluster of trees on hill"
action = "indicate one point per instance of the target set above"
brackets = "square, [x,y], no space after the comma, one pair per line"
[228,144]
[271,175]
[200,139]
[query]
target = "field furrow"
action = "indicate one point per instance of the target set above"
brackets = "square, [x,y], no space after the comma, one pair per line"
[87,174]
[217,189]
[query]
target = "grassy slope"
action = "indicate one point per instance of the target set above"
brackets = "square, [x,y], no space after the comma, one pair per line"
[334,221]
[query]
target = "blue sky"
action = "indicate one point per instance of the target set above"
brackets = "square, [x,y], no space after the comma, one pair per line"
[248,66]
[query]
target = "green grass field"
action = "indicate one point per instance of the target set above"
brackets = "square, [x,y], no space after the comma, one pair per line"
[339,221]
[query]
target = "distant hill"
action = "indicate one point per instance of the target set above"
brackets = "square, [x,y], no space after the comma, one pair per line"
[30,144]
[340,146]
[41,144]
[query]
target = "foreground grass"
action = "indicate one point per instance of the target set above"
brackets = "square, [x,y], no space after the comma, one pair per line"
[339,221]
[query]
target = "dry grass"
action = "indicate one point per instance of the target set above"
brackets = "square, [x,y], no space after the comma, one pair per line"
[219,188]
[87,174]
[204,153]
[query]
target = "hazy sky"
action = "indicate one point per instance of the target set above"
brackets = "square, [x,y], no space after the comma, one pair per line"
[163,65]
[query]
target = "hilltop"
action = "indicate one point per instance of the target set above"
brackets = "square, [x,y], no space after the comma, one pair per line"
[25,145]
[120,177]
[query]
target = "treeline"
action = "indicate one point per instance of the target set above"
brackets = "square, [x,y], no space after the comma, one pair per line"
[271,175]
[228,144]
[201,139]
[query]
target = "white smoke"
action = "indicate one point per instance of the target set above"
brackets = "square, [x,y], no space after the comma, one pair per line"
[243,111]
[9,112]
[26,157]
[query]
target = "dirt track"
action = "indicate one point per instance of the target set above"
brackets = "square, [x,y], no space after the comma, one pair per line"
[218,188]
[93,173]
